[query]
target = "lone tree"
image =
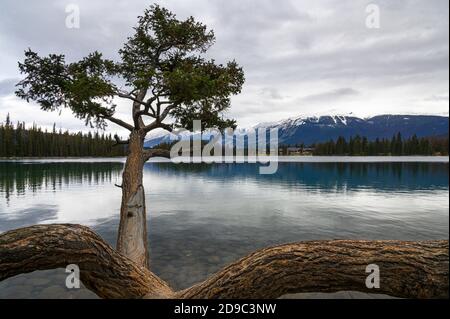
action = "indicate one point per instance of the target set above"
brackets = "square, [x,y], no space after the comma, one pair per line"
[163,75]
[166,78]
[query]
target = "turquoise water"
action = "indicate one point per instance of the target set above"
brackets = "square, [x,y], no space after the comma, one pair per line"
[202,216]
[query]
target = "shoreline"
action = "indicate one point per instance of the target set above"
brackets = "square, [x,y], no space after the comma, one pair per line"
[243,159]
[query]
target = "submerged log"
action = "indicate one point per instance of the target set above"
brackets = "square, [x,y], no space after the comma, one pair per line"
[411,269]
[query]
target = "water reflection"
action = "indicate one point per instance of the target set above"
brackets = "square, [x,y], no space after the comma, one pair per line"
[29,216]
[36,192]
[19,177]
[324,175]
[201,217]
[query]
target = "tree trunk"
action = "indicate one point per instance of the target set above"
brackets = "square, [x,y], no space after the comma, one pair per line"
[417,269]
[132,236]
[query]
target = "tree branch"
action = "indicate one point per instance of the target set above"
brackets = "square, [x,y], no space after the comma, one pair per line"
[130,97]
[158,122]
[146,112]
[119,122]
[138,122]
[155,153]
[119,141]
[407,269]
[153,125]
[149,102]
[102,269]
[167,127]
[410,269]
[166,110]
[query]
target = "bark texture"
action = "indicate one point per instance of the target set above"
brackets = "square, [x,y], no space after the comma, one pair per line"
[102,269]
[132,235]
[407,269]
[416,269]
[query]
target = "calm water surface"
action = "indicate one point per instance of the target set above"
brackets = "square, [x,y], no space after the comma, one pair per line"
[202,217]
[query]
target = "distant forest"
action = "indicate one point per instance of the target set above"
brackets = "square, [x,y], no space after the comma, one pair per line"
[396,146]
[19,141]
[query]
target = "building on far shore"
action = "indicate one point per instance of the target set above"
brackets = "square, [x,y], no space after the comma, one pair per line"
[299,151]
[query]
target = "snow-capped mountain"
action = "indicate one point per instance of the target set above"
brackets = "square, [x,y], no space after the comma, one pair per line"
[309,130]
[318,129]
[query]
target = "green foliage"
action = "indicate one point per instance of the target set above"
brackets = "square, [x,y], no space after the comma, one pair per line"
[80,86]
[163,59]
[161,42]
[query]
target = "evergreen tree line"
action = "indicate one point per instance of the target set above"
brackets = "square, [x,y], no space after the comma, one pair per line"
[19,141]
[361,146]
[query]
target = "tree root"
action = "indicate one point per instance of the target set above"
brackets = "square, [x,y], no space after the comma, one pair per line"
[410,269]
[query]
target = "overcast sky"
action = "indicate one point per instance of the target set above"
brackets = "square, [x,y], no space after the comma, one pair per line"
[300,57]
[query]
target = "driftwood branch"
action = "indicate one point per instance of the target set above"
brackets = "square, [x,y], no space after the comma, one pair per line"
[407,269]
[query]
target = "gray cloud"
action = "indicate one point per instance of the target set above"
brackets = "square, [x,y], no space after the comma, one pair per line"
[299,56]
[271,93]
[438,98]
[330,96]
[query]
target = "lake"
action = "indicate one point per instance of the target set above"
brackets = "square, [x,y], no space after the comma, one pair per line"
[204,216]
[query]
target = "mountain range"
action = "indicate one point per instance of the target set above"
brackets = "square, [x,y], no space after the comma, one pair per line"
[310,130]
